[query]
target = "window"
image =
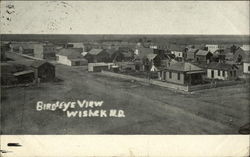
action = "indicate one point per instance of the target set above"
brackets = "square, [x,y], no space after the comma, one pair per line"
[234,73]
[248,68]
[164,75]
[170,74]
[218,72]
[212,74]
[223,73]
[231,73]
[179,76]
[77,63]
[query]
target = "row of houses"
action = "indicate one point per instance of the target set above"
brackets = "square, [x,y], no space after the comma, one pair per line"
[186,73]
[210,53]
[75,56]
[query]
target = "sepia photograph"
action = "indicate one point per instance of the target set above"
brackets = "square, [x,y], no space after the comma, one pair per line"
[125,68]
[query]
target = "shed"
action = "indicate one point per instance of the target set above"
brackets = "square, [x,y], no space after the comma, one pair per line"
[98,67]
[45,71]
[26,76]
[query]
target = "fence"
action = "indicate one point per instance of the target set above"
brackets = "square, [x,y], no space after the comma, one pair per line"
[144,80]
[214,85]
[171,85]
[18,85]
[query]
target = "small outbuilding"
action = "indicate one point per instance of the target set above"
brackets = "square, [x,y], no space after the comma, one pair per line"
[44,71]
[26,76]
[98,67]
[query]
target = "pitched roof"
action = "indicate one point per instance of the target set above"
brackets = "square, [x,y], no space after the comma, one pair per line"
[202,53]
[244,51]
[221,66]
[111,51]
[192,50]
[143,52]
[23,72]
[184,67]
[38,63]
[151,56]
[71,53]
[95,51]
[7,68]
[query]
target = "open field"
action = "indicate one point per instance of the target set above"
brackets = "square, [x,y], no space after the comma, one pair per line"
[148,109]
[165,38]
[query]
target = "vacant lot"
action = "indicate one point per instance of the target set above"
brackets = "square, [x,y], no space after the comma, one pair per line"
[148,109]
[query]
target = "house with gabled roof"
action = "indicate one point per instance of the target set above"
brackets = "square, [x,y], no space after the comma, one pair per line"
[71,57]
[183,73]
[240,54]
[191,53]
[203,56]
[97,55]
[222,71]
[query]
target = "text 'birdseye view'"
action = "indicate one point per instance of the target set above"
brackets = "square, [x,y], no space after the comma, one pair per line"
[124,84]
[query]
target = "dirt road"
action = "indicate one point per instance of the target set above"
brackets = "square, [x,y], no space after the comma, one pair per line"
[148,109]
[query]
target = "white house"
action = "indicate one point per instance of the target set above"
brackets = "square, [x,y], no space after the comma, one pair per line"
[98,67]
[212,48]
[245,47]
[178,54]
[246,65]
[71,57]
[222,71]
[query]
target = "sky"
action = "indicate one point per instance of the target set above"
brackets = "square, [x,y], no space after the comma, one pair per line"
[125,17]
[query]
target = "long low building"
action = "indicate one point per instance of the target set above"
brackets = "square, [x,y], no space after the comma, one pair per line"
[222,71]
[98,67]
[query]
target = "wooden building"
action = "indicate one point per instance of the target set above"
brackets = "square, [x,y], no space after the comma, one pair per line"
[44,71]
[182,73]
[191,53]
[222,71]
[26,76]
[97,55]
[203,56]
[246,65]
[98,67]
[71,57]
[45,51]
